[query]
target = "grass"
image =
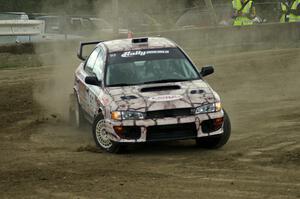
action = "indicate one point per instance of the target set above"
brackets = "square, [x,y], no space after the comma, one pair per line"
[8,66]
[13,66]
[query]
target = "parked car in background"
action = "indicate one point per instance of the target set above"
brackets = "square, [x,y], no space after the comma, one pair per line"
[56,28]
[53,24]
[140,22]
[94,27]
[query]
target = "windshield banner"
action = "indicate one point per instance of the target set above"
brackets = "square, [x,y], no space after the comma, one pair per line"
[144,55]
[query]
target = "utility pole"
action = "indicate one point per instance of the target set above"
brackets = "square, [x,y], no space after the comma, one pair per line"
[115,10]
[212,11]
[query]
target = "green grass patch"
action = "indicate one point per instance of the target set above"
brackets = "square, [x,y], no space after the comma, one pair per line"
[14,66]
[8,66]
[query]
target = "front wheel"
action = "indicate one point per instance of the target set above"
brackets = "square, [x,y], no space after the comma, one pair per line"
[216,141]
[101,136]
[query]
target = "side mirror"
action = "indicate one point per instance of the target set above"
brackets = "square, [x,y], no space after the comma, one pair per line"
[207,70]
[92,80]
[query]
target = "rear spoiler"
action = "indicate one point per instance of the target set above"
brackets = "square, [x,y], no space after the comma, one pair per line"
[81,45]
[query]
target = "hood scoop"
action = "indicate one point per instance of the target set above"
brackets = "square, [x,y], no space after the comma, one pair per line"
[160,88]
[200,91]
[129,97]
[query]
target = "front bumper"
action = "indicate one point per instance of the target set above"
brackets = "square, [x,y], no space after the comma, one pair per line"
[170,128]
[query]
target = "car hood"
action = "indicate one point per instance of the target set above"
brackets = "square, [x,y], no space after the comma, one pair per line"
[164,96]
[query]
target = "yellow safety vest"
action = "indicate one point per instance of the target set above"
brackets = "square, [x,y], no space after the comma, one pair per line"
[242,20]
[284,16]
[295,18]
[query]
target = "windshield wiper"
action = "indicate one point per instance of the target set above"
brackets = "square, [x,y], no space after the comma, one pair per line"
[166,81]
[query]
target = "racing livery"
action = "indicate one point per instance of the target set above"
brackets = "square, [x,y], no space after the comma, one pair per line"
[143,90]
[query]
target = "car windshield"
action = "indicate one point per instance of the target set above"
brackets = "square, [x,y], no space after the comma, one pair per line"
[138,67]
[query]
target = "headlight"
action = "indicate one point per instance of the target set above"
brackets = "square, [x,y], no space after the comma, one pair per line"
[209,108]
[127,115]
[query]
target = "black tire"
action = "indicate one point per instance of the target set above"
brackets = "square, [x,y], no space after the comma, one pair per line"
[217,141]
[101,139]
[76,117]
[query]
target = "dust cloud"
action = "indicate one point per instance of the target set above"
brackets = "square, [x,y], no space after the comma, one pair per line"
[61,61]
[206,46]
[53,93]
[59,58]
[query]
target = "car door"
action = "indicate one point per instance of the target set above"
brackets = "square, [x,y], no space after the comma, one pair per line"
[95,91]
[83,87]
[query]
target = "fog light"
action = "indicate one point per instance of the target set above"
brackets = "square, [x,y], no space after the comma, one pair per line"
[119,130]
[218,123]
[212,125]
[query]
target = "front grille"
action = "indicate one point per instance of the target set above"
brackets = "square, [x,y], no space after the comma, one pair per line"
[171,132]
[168,113]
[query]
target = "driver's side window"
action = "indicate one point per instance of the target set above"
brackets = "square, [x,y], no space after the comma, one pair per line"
[90,63]
[99,65]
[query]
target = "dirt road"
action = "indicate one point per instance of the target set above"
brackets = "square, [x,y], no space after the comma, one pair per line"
[42,157]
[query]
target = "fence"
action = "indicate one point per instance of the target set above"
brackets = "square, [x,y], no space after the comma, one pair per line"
[21,27]
[12,31]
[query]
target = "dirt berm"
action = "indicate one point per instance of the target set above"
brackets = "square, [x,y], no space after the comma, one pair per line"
[42,157]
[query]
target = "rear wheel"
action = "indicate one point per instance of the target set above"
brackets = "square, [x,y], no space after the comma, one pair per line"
[102,139]
[216,141]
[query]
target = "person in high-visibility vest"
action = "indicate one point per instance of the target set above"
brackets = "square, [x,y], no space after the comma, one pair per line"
[244,12]
[285,7]
[295,11]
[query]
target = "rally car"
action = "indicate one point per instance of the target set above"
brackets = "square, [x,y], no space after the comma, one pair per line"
[145,90]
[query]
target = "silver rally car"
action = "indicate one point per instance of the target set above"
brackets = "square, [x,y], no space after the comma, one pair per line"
[143,90]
